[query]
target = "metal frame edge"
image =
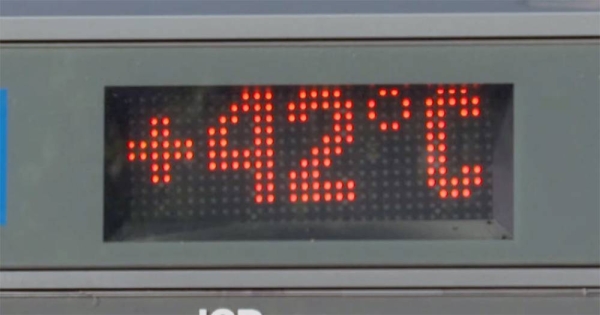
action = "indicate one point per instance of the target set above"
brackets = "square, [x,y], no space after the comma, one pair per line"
[303,279]
[270,27]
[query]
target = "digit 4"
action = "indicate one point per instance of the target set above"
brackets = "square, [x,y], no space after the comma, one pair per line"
[258,158]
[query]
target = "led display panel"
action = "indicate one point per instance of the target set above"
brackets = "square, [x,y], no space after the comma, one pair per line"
[192,163]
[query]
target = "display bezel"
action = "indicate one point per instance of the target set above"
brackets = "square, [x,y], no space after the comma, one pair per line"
[547,95]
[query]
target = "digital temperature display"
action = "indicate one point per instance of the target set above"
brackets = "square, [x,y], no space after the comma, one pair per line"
[298,162]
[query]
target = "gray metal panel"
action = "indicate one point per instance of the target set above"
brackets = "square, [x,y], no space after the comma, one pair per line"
[56,151]
[301,279]
[248,7]
[299,302]
[356,26]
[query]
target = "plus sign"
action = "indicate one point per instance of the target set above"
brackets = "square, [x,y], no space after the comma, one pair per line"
[161,150]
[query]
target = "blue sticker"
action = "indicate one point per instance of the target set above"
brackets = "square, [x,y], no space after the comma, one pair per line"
[3,129]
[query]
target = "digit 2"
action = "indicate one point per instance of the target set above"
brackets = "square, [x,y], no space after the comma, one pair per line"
[306,183]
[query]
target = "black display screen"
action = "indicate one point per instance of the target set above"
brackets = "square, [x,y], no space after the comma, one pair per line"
[299,162]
